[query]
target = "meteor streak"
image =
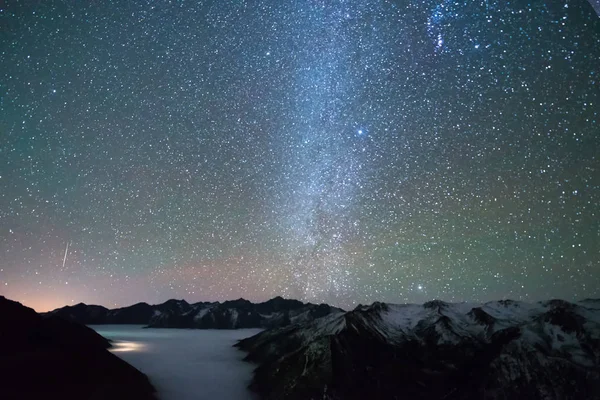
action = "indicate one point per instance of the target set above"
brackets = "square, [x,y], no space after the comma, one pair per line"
[65,258]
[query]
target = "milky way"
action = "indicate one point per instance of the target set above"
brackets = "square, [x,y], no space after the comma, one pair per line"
[331,151]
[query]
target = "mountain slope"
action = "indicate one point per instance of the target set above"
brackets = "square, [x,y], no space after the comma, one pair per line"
[55,358]
[496,350]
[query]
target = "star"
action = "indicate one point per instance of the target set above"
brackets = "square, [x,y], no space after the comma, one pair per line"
[342,152]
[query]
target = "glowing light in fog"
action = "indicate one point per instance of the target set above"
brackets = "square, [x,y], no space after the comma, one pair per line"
[127,346]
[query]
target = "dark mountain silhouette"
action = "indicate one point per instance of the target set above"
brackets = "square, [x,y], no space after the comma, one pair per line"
[53,358]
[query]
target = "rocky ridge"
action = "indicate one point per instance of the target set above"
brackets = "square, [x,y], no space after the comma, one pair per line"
[497,350]
[234,314]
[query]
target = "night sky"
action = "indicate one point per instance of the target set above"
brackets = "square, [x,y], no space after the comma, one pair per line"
[340,151]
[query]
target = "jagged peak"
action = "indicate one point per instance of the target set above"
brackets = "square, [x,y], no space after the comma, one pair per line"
[205,303]
[234,303]
[175,301]
[78,305]
[433,304]
[379,306]
[279,299]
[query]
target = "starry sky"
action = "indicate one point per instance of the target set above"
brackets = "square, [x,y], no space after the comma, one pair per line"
[338,151]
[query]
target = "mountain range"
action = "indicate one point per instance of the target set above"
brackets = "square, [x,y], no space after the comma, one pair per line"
[497,350]
[232,314]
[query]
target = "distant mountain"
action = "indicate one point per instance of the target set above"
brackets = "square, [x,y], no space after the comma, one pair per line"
[233,314]
[242,313]
[139,314]
[82,313]
[497,350]
[53,358]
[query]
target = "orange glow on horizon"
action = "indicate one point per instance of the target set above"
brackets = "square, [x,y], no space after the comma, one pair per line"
[40,303]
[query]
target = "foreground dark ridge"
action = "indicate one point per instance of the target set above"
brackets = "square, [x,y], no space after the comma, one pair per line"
[497,350]
[204,315]
[50,358]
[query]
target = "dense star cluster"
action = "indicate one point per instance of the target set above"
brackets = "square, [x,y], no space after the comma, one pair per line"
[341,151]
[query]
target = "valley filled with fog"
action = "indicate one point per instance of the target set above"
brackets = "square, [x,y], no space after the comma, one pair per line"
[185,364]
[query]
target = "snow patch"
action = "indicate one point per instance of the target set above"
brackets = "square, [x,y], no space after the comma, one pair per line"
[202,313]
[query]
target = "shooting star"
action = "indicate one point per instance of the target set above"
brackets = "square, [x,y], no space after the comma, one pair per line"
[65,258]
